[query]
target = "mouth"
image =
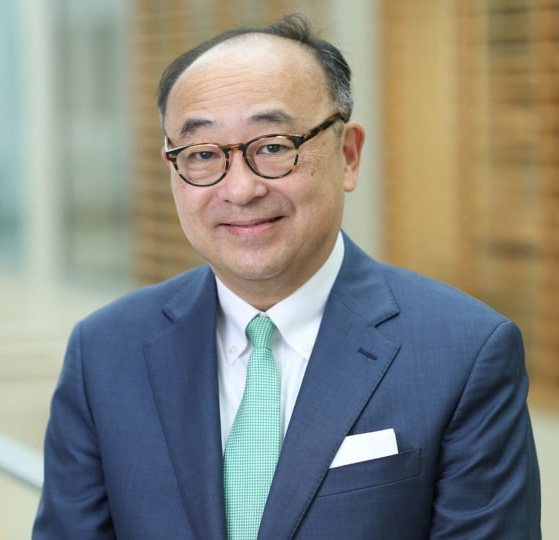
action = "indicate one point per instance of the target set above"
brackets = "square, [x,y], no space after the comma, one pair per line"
[253,226]
[254,222]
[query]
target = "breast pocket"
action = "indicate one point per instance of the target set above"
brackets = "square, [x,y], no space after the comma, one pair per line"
[376,472]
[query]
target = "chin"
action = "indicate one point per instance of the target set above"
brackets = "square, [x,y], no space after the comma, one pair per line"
[257,275]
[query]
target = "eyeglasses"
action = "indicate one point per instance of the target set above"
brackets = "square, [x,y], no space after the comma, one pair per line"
[269,156]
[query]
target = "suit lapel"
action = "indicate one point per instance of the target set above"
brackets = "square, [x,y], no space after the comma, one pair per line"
[348,363]
[183,374]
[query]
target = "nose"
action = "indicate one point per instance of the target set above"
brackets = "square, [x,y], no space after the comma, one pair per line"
[241,185]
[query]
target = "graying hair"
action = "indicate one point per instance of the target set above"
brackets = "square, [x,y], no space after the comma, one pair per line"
[295,27]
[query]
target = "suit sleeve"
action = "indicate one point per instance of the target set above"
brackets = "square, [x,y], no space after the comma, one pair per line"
[488,481]
[74,501]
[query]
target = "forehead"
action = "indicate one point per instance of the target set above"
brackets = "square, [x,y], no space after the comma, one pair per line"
[247,74]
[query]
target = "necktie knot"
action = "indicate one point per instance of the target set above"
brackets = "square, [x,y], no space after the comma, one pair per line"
[260,330]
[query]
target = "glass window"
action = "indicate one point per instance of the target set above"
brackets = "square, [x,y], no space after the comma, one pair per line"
[92,138]
[10,137]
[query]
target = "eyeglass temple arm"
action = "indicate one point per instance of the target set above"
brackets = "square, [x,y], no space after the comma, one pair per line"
[326,124]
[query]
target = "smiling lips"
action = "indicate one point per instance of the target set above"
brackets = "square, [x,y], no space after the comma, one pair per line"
[256,226]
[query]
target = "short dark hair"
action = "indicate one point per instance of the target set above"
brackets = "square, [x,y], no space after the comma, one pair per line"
[295,27]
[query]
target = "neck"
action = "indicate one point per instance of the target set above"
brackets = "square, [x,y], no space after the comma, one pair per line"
[262,294]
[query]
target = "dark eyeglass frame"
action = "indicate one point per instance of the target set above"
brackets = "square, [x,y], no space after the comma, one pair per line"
[297,140]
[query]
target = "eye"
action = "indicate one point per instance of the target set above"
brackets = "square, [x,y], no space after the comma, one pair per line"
[277,146]
[204,154]
[272,148]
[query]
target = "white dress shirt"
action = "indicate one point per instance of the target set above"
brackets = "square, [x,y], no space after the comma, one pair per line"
[297,319]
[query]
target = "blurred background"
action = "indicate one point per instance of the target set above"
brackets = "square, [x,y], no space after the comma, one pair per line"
[460,180]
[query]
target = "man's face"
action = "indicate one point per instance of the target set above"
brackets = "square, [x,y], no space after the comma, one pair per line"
[263,238]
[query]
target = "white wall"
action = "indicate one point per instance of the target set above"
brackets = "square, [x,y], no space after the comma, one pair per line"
[357,32]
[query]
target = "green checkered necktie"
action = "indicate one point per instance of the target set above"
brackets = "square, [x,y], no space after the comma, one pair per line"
[254,444]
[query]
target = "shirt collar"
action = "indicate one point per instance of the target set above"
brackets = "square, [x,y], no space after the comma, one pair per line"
[233,317]
[296,317]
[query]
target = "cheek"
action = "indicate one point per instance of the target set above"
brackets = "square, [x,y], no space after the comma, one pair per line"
[319,207]
[322,185]
[189,204]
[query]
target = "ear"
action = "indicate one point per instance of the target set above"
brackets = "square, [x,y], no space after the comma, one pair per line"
[352,141]
[164,156]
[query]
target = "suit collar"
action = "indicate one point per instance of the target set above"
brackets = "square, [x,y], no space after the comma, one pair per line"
[362,287]
[359,280]
[195,293]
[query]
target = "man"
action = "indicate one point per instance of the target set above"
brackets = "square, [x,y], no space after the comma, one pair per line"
[402,408]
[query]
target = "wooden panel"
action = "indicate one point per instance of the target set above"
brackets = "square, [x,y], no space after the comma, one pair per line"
[505,144]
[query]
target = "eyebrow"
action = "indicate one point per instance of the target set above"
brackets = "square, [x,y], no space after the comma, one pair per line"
[275,116]
[193,124]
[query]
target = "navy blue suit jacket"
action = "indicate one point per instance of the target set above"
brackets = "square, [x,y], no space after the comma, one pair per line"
[133,448]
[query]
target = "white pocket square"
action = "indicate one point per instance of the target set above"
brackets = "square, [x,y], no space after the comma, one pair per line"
[366,446]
